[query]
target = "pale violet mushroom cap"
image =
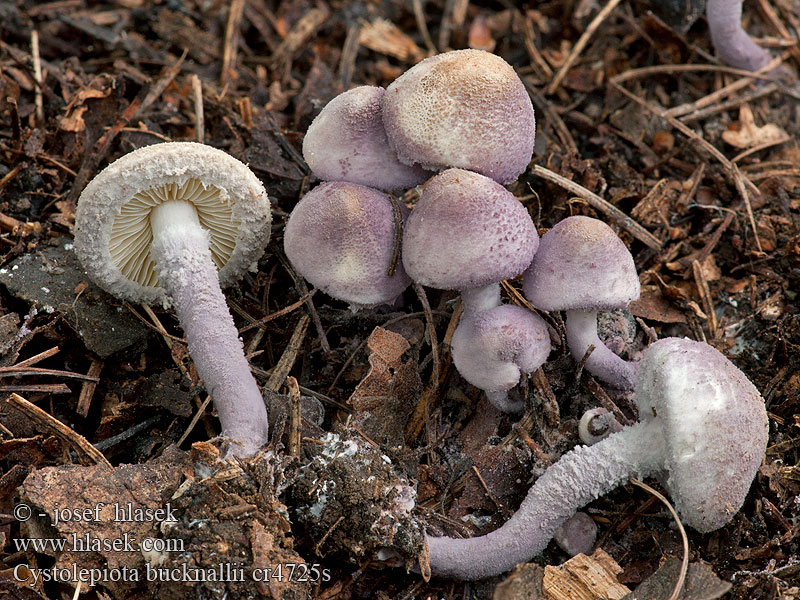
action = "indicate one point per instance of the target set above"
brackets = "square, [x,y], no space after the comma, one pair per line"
[341,238]
[493,348]
[465,109]
[347,142]
[581,264]
[112,220]
[715,427]
[467,231]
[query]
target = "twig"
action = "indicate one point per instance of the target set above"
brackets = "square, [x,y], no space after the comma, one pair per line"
[431,328]
[88,388]
[79,443]
[419,16]
[200,412]
[295,417]
[676,592]
[596,202]
[537,60]
[16,371]
[170,341]
[301,286]
[45,388]
[29,362]
[297,37]
[605,400]
[489,493]
[347,63]
[419,417]
[281,370]
[37,76]
[705,298]
[398,236]
[734,102]
[199,115]
[708,100]
[778,25]
[327,533]
[231,41]
[549,402]
[581,44]
[278,313]
[662,69]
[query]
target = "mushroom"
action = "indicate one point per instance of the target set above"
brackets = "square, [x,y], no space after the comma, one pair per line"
[347,142]
[582,267]
[730,41]
[344,239]
[467,233]
[704,427]
[171,223]
[597,424]
[577,534]
[466,109]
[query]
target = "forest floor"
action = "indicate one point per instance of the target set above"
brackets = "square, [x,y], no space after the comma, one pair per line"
[102,406]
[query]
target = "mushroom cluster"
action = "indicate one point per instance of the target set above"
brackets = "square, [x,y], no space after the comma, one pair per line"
[466,115]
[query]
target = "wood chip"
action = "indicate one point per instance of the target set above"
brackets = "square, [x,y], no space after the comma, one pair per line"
[585,578]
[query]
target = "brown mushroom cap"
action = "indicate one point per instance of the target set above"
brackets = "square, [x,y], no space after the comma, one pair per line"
[341,238]
[467,231]
[715,426]
[581,264]
[465,109]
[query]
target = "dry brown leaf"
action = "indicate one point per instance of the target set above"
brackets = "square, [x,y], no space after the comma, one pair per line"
[749,134]
[383,36]
[73,120]
[384,399]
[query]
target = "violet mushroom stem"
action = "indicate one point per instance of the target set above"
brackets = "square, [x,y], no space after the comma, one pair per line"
[602,362]
[473,302]
[731,42]
[187,272]
[480,299]
[581,475]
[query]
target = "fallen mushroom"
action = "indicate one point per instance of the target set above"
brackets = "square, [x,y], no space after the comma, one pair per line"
[468,233]
[347,142]
[343,238]
[704,427]
[465,109]
[597,424]
[171,223]
[583,268]
[730,40]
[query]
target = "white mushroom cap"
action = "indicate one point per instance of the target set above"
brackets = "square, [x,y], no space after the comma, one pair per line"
[112,221]
[715,427]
